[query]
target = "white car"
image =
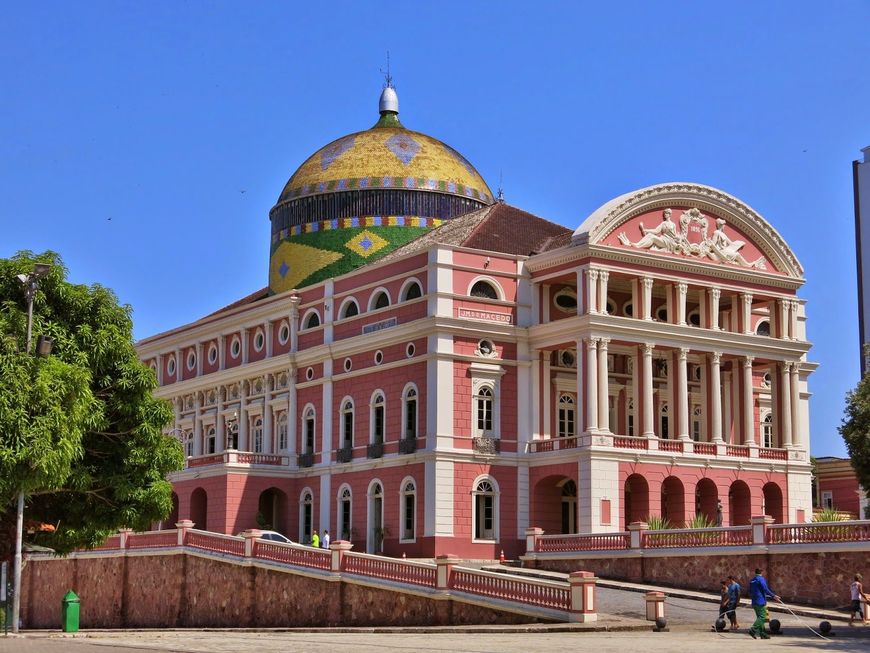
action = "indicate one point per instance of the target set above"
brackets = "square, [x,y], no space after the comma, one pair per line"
[275,536]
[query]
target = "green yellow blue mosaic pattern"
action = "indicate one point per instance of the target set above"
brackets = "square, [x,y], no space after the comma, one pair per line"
[320,250]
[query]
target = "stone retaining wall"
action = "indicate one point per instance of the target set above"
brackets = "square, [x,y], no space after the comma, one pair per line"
[819,578]
[183,590]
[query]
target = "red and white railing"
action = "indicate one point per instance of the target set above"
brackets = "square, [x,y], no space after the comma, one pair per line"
[293,554]
[553,444]
[215,542]
[233,457]
[542,593]
[851,531]
[151,539]
[692,537]
[587,542]
[393,569]
[629,442]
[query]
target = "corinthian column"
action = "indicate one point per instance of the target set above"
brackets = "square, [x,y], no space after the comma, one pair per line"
[603,389]
[716,397]
[715,293]
[797,436]
[647,390]
[748,403]
[592,385]
[646,297]
[592,291]
[683,394]
[747,312]
[603,276]
[785,399]
[682,291]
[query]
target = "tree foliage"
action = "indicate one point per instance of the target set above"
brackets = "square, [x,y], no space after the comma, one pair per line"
[80,431]
[855,429]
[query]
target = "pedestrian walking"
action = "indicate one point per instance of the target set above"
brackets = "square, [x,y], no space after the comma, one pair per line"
[857,594]
[759,592]
[324,541]
[315,540]
[723,603]
[733,601]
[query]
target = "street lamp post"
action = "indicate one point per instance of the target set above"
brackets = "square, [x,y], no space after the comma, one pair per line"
[30,283]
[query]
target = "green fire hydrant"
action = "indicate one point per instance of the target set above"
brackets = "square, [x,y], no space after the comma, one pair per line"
[70,612]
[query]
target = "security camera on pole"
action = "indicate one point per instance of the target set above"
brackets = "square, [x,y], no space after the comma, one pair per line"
[43,348]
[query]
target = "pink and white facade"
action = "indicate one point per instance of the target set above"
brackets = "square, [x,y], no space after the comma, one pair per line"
[651,363]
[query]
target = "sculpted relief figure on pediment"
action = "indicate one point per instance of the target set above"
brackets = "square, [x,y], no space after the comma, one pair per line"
[692,239]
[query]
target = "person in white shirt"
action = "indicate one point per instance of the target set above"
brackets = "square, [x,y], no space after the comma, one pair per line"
[324,541]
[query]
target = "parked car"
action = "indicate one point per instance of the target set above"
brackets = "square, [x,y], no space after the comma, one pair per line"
[274,536]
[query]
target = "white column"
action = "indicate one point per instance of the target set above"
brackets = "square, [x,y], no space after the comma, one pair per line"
[727,408]
[782,306]
[267,328]
[581,299]
[220,440]
[535,430]
[292,417]
[715,293]
[797,436]
[197,424]
[179,366]
[578,414]
[245,347]
[603,389]
[159,369]
[546,397]
[682,291]
[647,426]
[747,312]
[592,290]
[328,413]
[716,397]
[793,321]
[683,394]
[199,359]
[294,323]
[784,418]
[636,396]
[243,444]
[222,352]
[603,276]
[748,403]
[268,430]
[592,385]
[646,297]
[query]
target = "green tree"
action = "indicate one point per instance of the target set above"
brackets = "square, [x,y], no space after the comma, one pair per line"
[80,431]
[855,429]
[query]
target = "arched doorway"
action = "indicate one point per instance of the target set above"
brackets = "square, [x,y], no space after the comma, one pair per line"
[376,531]
[739,503]
[569,507]
[199,509]
[635,499]
[306,516]
[172,519]
[706,498]
[551,508]
[773,502]
[674,502]
[271,510]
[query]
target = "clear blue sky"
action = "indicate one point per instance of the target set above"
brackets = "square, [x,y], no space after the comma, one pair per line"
[159,114]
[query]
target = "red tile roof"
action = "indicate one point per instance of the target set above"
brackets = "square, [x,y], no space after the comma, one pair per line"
[510,230]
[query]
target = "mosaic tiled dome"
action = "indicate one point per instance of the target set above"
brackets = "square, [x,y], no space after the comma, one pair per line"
[365,194]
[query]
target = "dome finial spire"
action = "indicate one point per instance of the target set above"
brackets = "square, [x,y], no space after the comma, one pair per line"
[389,102]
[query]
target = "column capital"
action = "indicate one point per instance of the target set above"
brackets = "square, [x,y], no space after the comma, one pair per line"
[647,348]
[682,288]
[647,283]
[603,342]
[592,273]
[716,357]
[716,293]
[747,296]
[684,352]
[603,275]
[747,361]
[592,343]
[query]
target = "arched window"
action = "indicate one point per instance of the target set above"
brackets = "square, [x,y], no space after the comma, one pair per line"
[483,403]
[696,423]
[210,440]
[566,416]
[258,435]
[188,443]
[412,291]
[485,510]
[664,430]
[311,320]
[347,424]
[767,438]
[344,514]
[308,430]
[376,529]
[762,328]
[662,313]
[349,308]
[483,289]
[377,418]
[306,516]
[694,318]
[282,432]
[410,410]
[379,299]
[408,508]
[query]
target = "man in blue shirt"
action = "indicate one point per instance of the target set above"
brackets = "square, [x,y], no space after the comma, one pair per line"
[760,592]
[733,599]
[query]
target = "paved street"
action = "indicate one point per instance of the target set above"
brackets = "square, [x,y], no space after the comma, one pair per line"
[367,642]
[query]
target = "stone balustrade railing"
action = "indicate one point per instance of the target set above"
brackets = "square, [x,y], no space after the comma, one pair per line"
[681,447]
[761,531]
[233,457]
[574,601]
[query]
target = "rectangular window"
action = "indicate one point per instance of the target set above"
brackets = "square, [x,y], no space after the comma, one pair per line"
[348,429]
[282,435]
[828,500]
[630,424]
[411,420]
[408,533]
[379,425]
[309,435]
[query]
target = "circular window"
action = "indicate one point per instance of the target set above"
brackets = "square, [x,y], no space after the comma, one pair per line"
[763,328]
[766,380]
[410,349]
[694,319]
[236,347]
[284,334]
[565,300]
[154,367]
[212,354]
[567,358]
[170,366]
[662,313]
[309,373]
[486,348]
[379,357]
[191,359]
[348,365]
[259,341]
[611,307]
[628,309]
